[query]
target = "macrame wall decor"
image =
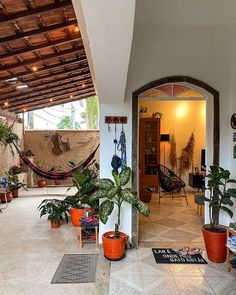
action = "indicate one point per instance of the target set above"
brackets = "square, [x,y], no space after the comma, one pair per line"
[186,157]
[173,152]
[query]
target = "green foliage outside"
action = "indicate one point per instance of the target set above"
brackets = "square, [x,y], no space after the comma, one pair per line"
[91,114]
[66,123]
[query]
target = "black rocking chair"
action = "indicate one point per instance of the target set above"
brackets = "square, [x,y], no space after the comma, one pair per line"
[170,183]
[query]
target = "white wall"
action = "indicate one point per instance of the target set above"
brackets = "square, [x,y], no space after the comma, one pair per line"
[192,42]
[106,153]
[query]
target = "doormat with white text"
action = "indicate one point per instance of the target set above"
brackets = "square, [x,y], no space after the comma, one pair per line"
[167,255]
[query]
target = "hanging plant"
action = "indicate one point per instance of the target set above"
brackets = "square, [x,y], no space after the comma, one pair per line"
[7,136]
[186,157]
[173,153]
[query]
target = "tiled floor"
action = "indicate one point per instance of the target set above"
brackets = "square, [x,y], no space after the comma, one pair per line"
[30,253]
[139,274]
[171,223]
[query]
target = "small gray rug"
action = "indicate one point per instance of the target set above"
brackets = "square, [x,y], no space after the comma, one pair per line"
[76,268]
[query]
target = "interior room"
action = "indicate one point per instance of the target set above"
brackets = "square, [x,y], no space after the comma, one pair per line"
[180,116]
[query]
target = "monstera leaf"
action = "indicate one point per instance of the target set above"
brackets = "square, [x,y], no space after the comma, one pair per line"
[125,176]
[105,210]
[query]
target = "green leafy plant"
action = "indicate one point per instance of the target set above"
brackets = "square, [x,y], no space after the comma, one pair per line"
[220,195]
[7,135]
[114,193]
[85,184]
[55,209]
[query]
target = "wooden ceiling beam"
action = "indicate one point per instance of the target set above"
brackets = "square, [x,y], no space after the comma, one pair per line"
[38,31]
[50,94]
[48,91]
[66,94]
[35,11]
[58,101]
[54,66]
[58,82]
[35,60]
[81,71]
[41,46]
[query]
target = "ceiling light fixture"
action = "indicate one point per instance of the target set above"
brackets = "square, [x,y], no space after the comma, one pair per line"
[24,110]
[83,85]
[50,99]
[6,104]
[22,86]
[71,96]
[76,29]
[34,69]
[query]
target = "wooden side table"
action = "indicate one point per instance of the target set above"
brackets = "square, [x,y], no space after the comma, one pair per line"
[92,237]
[230,233]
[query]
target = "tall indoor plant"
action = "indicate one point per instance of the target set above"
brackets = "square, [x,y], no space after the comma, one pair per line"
[220,199]
[114,194]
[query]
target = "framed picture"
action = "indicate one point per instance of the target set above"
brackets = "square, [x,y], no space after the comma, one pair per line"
[234,136]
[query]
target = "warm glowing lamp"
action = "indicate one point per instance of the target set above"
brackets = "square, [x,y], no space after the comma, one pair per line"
[71,96]
[34,69]
[6,104]
[181,110]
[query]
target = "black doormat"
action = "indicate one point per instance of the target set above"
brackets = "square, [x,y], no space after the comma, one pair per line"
[169,256]
[76,268]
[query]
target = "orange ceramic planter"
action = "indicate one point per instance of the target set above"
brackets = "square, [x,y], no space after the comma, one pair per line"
[15,193]
[215,244]
[76,214]
[41,183]
[55,224]
[114,249]
[9,197]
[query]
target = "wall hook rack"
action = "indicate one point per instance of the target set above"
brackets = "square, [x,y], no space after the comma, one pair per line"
[115,120]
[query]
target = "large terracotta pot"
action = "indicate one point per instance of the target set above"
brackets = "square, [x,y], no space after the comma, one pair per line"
[215,244]
[15,193]
[55,223]
[114,249]
[9,197]
[76,214]
[41,183]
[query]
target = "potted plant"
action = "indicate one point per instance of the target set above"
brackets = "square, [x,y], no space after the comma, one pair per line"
[56,169]
[219,199]
[84,182]
[114,194]
[5,192]
[56,211]
[13,180]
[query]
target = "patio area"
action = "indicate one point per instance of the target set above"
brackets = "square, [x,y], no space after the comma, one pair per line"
[31,252]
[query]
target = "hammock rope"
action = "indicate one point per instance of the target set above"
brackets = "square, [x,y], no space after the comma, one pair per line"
[55,175]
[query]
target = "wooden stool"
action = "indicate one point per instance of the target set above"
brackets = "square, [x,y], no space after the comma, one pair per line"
[82,237]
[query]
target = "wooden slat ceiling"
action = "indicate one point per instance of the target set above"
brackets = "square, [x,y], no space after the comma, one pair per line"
[42,57]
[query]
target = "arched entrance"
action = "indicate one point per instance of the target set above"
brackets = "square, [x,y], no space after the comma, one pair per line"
[215,126]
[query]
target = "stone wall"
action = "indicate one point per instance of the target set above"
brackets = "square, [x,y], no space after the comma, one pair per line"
[82,143]
[7,158]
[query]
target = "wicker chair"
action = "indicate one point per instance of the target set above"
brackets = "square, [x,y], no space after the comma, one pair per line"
[170,183]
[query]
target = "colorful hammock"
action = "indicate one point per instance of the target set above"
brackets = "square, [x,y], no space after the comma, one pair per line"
[55,175]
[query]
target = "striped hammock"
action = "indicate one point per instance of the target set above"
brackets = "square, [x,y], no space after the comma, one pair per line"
[55,175]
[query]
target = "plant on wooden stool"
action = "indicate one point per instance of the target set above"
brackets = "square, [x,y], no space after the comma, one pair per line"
[219,199]
[115,194]
[55,209]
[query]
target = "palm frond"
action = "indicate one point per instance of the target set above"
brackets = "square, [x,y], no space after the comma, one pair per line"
[186,157]
[173,153]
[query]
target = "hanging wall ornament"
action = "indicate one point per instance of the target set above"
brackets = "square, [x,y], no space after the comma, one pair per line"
[122,148]
[116,161]
[173,153]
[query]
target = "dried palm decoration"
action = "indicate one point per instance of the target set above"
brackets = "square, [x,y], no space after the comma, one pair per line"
[186,157]
[173,153]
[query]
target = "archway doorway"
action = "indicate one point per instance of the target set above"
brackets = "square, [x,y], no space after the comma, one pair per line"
[213,128]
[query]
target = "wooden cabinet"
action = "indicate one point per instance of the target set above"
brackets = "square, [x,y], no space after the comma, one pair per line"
[230,234]
[149,151]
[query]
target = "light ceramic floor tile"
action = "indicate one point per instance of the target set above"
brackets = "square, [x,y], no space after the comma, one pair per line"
[223,285]
[185,270]
[170,222]
[180,235]
[161,286]
[193,285]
